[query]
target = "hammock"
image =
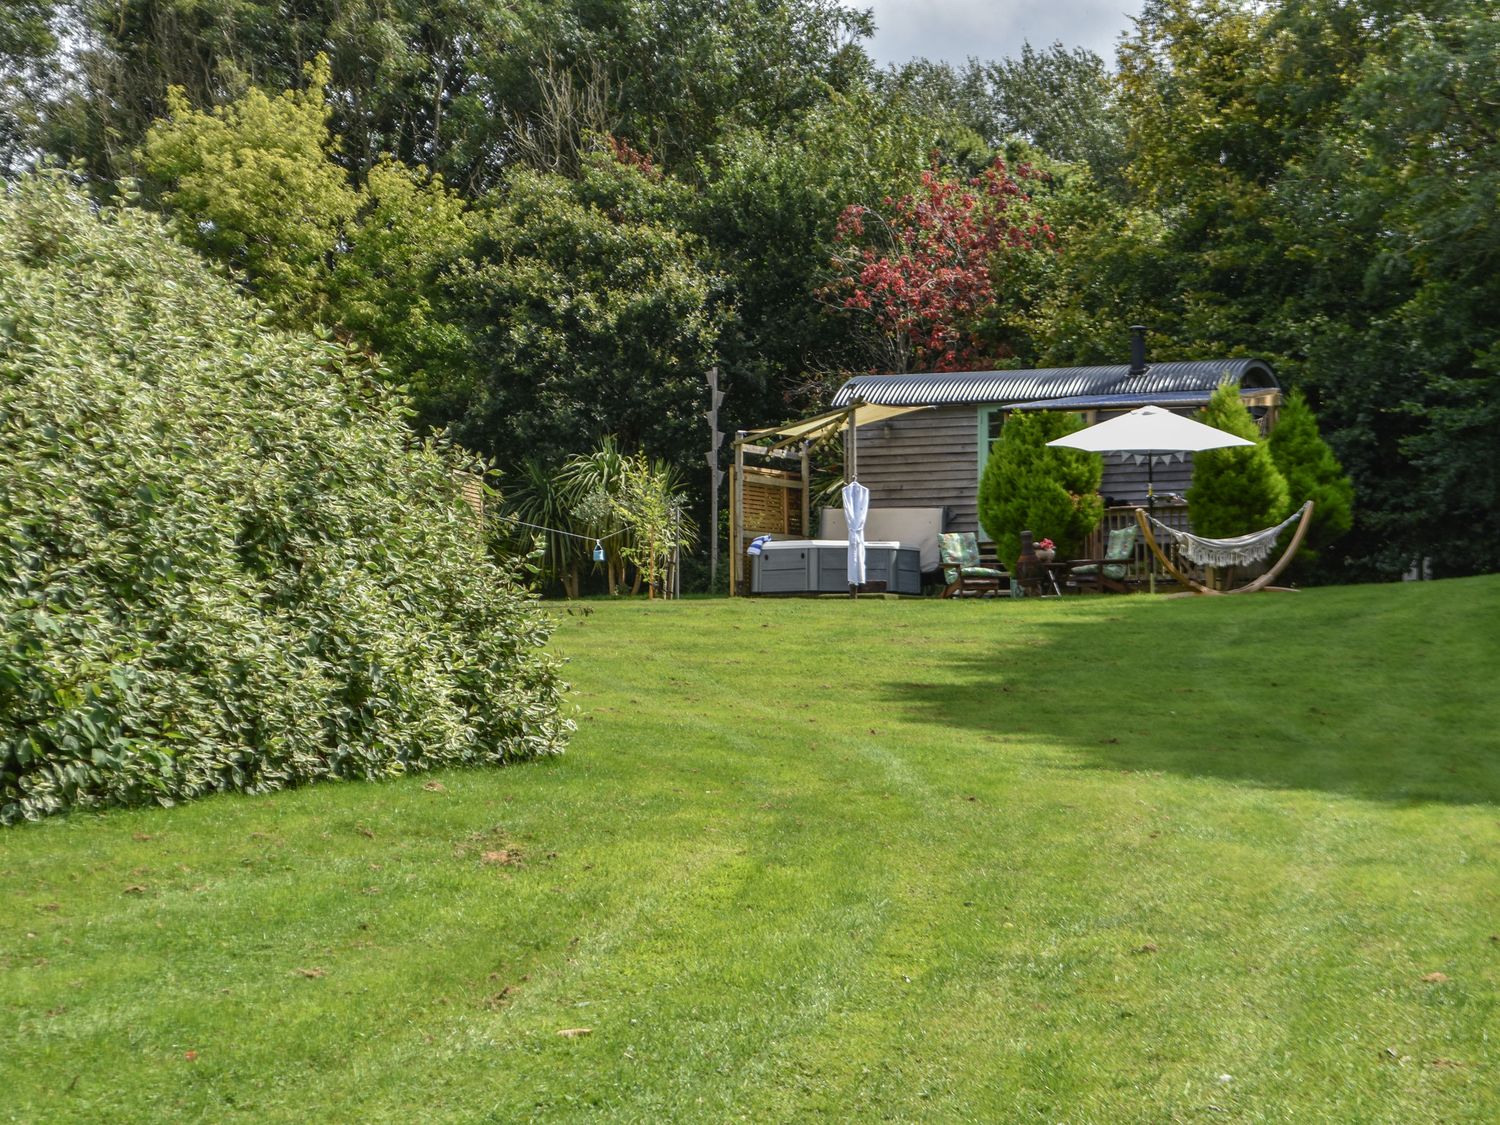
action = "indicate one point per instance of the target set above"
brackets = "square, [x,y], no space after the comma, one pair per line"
[1226,552]
[1242,550]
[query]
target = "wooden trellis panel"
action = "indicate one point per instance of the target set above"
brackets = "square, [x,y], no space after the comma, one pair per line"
[772,503]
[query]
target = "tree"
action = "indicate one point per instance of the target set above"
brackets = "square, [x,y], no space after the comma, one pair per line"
[1403,324]
[768,214]
[226,564]
[254,187]
[1326,171]
[683,74]
[1237,490]
[254,184]
[1064,103]
[1029,486]
[586,315]
[411,79]
[28,84]
[447,85]
[649,502]
[1313,473]
[388,285]
[919,268]
[593,483]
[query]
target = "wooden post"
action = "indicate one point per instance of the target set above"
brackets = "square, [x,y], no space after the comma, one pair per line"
[737,516]
[715,397]
[806,491]
[851,449]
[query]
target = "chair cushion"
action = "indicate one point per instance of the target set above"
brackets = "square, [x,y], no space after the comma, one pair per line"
[951,573]
[1111,570]
[1121,543]
[960,547]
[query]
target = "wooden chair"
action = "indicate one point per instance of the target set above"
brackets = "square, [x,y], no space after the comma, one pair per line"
[961,569]
[1110,572]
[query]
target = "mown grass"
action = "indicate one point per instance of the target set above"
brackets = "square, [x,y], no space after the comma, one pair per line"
[1094,860]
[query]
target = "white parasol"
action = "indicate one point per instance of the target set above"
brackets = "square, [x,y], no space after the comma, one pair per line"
[856,505]
[1151,432]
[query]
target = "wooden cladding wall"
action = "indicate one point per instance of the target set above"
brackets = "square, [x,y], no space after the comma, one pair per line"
[471,488]
[929,459]
[1125,481]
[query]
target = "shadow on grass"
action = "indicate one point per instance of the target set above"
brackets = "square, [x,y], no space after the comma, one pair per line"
[1379,693]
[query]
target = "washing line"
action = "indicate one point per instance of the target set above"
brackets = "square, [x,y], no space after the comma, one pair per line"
[598,539]
[570,534]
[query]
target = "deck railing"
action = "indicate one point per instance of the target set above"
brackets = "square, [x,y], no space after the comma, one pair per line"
[1139,567]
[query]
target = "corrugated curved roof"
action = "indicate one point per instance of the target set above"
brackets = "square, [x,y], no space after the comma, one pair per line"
[1001,387]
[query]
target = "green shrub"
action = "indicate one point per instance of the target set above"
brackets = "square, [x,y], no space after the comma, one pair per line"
[1313,473]
[226,563]
[1028,486]
[1239,490]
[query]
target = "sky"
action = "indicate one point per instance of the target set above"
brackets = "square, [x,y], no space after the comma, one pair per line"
[953,30]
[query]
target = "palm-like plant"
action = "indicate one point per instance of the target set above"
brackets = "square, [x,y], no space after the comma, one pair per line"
[590,482]
[540,497]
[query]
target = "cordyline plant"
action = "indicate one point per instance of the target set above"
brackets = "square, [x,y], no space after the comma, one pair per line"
[920,266]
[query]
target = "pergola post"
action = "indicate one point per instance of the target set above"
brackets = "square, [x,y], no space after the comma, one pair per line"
[736,512]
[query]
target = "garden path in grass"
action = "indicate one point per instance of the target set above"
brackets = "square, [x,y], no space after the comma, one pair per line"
[1098,859]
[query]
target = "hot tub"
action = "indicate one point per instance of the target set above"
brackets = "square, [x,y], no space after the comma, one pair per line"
[821,566]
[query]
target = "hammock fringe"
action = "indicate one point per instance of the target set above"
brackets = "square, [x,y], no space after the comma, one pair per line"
[1242,550]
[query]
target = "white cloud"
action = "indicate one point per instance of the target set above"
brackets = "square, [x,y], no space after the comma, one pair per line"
[953,30]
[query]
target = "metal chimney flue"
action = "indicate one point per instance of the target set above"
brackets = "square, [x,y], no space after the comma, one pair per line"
[1137,349]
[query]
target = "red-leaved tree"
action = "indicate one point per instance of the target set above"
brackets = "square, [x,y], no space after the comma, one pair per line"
[921,266]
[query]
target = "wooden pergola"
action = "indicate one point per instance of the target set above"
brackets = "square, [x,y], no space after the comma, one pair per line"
[769,500]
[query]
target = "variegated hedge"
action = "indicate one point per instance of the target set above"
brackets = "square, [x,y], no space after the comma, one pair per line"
[225,561]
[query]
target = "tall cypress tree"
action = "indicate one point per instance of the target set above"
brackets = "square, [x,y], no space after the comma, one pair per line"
[1029,486]
[1239,490]
[1313,473]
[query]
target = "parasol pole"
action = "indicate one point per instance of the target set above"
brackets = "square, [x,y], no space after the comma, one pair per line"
[1151,506]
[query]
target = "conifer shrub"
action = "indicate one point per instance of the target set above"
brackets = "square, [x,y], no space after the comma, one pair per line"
[1238,490]
[1028,486]
[1313,473]
[225,562]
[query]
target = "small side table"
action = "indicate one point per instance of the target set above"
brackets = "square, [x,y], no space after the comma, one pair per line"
[1038,579]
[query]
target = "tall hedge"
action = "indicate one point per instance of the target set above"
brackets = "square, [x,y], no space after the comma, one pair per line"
[1238,490]
[225,563]
[1053,493]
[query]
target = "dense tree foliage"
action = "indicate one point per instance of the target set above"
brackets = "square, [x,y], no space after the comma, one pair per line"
[225,561]
[921,268]
[254,183]
[588,314]
[1324,168]
[1311,181]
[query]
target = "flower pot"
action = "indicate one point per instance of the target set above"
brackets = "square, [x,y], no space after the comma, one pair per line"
[1046,555]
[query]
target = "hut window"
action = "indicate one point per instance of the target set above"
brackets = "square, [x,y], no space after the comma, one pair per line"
[991,422]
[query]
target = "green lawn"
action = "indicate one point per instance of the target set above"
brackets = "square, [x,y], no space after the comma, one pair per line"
[1098,860]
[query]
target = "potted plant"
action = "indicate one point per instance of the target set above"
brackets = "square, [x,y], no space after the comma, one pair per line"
[1046,550]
